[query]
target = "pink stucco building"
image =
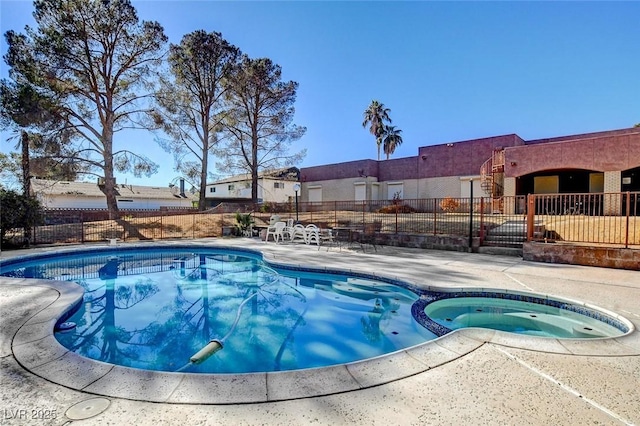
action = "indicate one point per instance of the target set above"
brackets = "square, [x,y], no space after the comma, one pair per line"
[508,165]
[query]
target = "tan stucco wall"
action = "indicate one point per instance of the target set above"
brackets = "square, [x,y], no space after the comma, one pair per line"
[336,189]
[439,187]
[344,189]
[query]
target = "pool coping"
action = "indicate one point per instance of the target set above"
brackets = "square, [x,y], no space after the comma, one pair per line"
[36,349]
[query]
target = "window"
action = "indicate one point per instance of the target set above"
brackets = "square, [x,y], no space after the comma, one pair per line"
[278,185]
[596,182]
[546,184]
[360,191]
[315,193]
[212,189]
[394,190]
[230,187]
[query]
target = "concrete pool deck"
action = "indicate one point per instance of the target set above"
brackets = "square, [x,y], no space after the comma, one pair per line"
[469,377]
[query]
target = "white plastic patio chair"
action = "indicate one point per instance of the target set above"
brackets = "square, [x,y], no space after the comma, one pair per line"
[326,236]
[298,234]
[276,231]
[313,234]
[288,230]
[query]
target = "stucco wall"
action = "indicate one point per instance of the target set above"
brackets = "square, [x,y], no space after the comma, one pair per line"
[70,201]
[436,170]
[604,152]
[344,189]
[350,169]
[461,158]
[267,192]
[440,187]
[398,169]
[388,189]
[336,189]
[79,202]
[153,204]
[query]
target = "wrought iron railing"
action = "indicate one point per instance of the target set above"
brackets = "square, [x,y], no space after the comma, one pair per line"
[605,218]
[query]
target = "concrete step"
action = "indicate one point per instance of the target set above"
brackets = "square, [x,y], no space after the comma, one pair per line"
[504,251]
[505,244]
[506,238]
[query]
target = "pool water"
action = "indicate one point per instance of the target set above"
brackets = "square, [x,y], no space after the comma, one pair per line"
[516,317]
[155,310]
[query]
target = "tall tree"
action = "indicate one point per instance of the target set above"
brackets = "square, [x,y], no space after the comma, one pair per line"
[258,124]
[22,109]
[392,138]
[376,115]
[95,60]
[10,173]
[191,103]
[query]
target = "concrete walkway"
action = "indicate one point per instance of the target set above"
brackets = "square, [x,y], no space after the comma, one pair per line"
[469,377]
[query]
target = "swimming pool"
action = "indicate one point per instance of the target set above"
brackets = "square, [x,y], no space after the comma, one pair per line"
[157,308]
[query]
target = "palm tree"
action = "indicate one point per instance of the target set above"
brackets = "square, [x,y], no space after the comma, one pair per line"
[392,139]
[376,115]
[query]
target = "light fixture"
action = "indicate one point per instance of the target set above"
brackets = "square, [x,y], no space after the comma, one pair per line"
[296,188]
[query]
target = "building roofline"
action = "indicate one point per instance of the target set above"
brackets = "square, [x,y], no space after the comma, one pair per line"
[90,189]
[266,174]
[582,136]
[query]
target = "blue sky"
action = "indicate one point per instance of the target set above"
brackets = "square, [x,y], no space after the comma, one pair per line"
[449,71]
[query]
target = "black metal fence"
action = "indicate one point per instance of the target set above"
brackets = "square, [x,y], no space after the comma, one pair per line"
[81,226]
[479,217]
[607,218]
[611,218]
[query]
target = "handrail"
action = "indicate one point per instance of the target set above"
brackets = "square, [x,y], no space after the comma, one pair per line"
[497,159]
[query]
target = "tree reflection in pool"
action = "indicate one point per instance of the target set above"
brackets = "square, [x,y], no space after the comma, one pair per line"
[155,309]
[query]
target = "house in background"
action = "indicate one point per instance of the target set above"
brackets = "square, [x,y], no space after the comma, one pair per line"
[275,186]
[87,195]
[497,166]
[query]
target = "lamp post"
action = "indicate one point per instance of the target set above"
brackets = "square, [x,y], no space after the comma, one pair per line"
[296,188]
[470,214]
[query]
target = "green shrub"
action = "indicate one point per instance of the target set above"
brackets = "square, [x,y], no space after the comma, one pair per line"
[243,222]
[19,211]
